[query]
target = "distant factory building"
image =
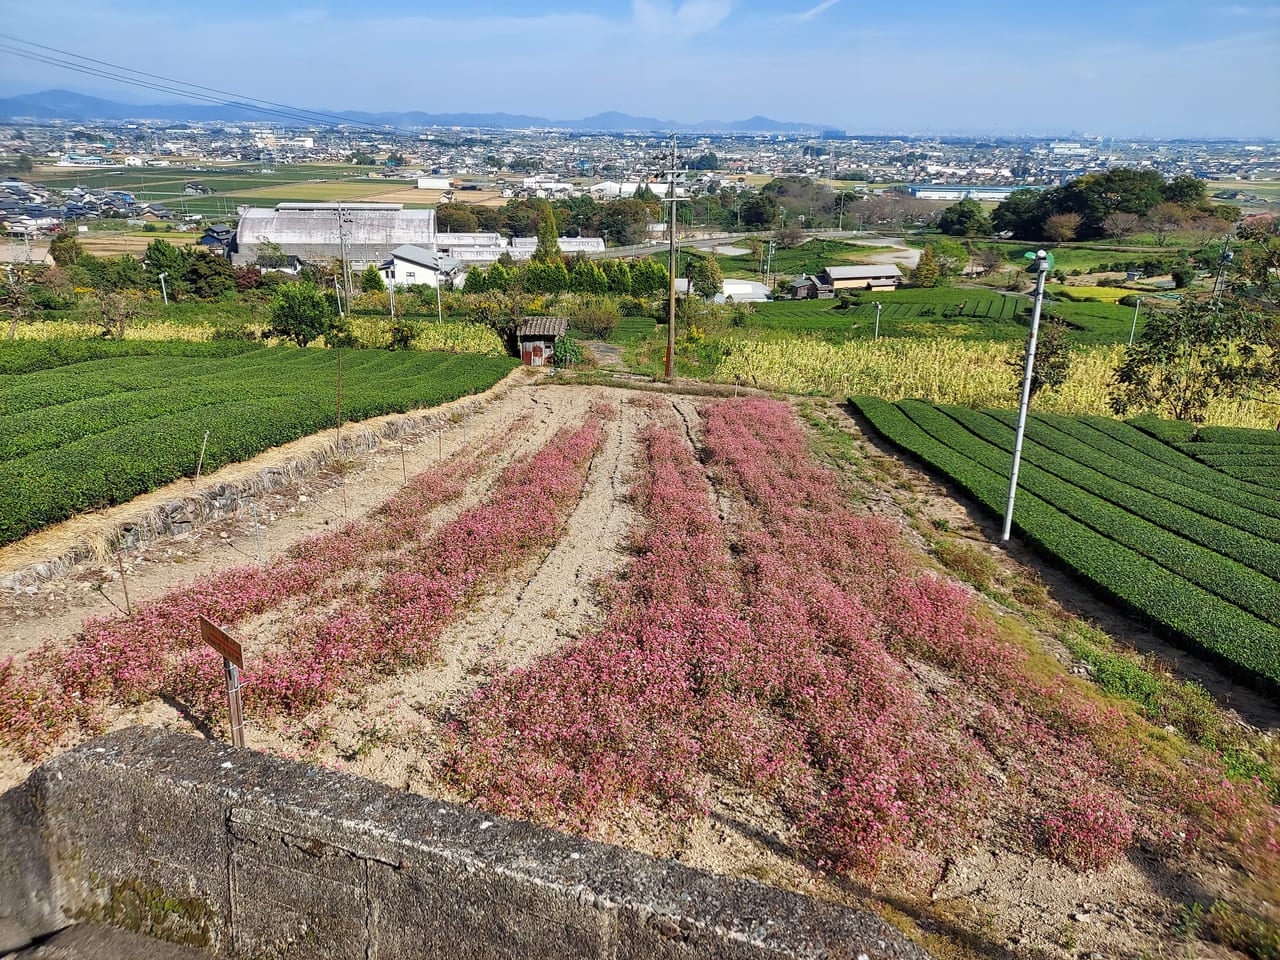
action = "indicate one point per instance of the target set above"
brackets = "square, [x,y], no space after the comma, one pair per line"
[319,231]
[961,191]
[522,248]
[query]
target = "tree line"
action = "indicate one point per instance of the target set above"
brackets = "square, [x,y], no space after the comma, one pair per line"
[1115,204]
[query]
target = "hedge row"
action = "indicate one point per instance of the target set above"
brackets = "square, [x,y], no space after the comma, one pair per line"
[1190,471]
[1245,435]
[272,404]
[1238,567]
[25,356]
[1169,600]
[1148,477]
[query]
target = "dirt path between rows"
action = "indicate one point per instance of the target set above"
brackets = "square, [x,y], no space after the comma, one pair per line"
[264,528]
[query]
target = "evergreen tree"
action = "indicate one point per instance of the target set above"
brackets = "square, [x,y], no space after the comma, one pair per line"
[927,272]
[618,277]
[548,248]
[587,277]
[371,280]
[707,279]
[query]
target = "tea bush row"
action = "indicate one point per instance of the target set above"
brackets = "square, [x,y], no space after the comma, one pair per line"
[106,448]
[1166,598]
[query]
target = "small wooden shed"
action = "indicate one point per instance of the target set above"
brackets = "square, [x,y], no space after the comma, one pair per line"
[538,336]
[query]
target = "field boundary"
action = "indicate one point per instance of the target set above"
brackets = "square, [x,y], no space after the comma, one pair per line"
[178,508]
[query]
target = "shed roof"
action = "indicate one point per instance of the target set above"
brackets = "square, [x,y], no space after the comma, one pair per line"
[543,327]
[863,272]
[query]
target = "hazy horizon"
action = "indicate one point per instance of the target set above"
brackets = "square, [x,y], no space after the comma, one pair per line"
[1161,69]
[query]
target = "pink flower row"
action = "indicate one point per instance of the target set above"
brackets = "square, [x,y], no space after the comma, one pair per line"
[157,650]
[741,661]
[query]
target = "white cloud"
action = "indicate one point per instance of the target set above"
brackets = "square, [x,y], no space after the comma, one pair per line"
[807,15]
[689,18]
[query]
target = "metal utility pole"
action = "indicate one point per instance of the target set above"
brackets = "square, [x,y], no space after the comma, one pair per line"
[840,227]
[1042,263]
[1220,281]
[1134,329]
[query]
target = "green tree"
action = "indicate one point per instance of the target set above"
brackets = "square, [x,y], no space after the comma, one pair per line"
[927,273]
[548,248]
[371,280]
[1021,213]
[587,277]
[456,218]
[1188,357]
[208,277]
[1186,191]
[965,219]
[708,278]
[759,210]
[301,313]
[65,249]
[649,278]
[546,277]
[161,256]
[618,277]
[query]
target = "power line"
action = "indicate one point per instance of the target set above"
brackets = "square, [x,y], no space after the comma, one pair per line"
[82,64]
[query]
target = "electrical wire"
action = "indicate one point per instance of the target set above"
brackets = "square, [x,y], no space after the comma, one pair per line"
[157,82]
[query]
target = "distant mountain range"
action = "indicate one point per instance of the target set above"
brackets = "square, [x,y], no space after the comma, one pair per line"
[66,105]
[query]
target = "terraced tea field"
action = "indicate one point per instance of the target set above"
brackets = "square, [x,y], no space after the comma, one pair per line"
[77,434]
[1188,546]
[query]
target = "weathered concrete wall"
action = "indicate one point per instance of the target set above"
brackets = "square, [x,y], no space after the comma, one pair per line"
[254,856]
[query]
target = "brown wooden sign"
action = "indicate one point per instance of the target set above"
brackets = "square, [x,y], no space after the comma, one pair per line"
[217,638]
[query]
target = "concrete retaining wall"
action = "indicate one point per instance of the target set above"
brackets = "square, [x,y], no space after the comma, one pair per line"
[249,855]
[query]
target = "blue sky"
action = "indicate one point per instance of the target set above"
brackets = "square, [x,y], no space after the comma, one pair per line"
[1155,68]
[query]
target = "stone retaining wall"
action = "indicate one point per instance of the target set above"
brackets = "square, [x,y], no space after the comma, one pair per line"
[248,855]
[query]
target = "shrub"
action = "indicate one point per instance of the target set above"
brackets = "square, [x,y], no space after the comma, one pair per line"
[1089,831]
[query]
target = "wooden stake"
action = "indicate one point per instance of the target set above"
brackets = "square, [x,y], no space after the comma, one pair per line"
[200,465]
[124,584]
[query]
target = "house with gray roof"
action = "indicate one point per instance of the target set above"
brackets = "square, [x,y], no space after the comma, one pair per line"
[874,276]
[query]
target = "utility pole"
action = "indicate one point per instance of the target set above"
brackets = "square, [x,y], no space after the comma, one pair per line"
[840,227]
[1041,264]
[877,306]
[1220,281]
[669,367]
[342,252]
[1134,329]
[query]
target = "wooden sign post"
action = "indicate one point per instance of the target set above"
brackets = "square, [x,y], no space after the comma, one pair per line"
[232,663]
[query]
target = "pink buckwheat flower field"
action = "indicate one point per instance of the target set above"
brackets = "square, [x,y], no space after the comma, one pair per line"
[729,631]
